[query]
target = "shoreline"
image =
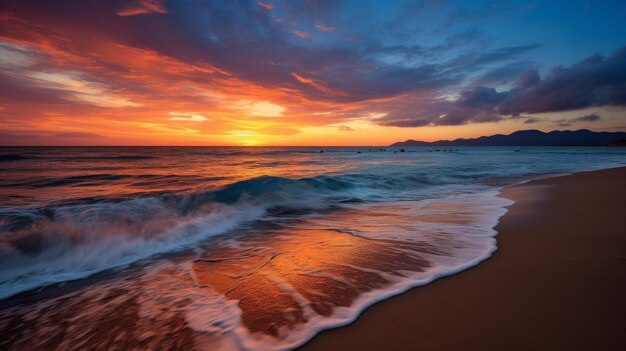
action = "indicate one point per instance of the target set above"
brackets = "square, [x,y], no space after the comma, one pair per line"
[461,315]
[550,284]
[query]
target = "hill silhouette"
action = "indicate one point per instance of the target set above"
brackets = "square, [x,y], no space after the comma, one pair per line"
[582,137]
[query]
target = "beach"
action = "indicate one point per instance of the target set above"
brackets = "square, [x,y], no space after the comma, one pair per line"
[144,248]
[268,175]
[556,281]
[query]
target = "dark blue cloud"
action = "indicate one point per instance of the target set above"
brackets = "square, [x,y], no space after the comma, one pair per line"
[531,120]
[504,74]
[594,81]
[588,118]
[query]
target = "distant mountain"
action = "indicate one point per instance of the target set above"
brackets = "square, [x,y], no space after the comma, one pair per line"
[581,137]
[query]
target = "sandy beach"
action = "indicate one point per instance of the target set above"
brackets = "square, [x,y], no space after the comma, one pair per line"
[555,283]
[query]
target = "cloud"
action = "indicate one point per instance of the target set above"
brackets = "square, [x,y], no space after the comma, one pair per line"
[78,135]
[317,84]
[14,56]
[568,122]
[69,86]
[265,6]
[301,34]
[476,105]
[187,117]
[594,81]
[504,74]
[233,61]
[260,108]
[225,35]
[531,120]
[324,27]
[588,118]
[476,59]
[142,7]
[563,122]
[80,89]
[345,128]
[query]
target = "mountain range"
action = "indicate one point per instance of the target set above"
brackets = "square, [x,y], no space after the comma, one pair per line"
[582,137]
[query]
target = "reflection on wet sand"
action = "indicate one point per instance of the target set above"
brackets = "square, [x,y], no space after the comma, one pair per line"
[283,278]
[269,287]
[133,313]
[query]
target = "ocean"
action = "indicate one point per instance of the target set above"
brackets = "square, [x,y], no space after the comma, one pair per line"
[241,248]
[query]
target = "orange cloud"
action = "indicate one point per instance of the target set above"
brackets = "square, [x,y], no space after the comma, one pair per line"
[142,7]
[265,6]
[317,84]
[187,117]
[324,28]
[301,34]
[260,108]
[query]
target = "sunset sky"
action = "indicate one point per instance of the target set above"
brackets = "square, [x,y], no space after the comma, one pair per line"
[278,72]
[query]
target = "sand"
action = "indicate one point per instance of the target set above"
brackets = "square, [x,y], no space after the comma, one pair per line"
[557,281]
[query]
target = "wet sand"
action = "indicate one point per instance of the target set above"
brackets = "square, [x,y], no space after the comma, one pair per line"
[557,281]
[269,288]
[321,268]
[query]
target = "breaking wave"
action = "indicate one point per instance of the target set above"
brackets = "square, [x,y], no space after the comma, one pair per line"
[57,243]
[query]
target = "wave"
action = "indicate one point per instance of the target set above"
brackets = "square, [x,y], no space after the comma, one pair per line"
[57,243]
[77,241]
[18,157]
[61,242]
[411,252]
[105,178]
[115,157]
[11,157]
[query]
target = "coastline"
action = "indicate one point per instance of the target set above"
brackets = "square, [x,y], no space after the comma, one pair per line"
[534,297]
[555,282]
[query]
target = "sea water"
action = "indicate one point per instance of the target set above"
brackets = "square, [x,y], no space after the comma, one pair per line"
[241,248]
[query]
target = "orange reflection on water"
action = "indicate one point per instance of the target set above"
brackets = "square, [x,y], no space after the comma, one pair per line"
[282,279]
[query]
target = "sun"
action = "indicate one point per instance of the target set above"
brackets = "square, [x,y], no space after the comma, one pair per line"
[245,138]
[250,142]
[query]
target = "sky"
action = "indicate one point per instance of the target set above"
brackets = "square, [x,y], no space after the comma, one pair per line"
[278,72]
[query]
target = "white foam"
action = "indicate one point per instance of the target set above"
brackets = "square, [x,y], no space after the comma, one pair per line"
[488,208]
[165,290]
[103,245]
[485,209]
